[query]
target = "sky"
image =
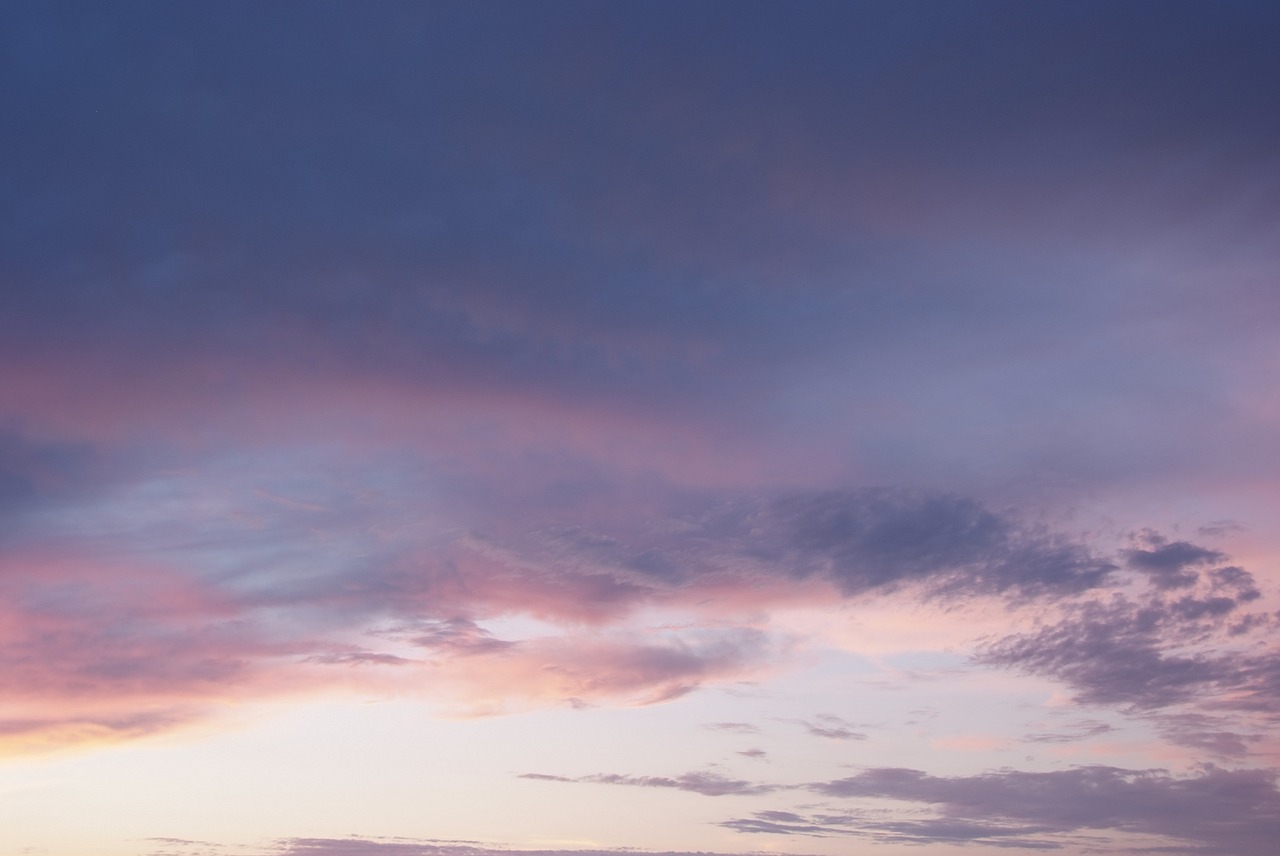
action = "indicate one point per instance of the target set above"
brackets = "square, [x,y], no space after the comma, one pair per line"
[599,428]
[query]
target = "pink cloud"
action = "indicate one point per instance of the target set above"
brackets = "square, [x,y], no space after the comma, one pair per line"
[474,673]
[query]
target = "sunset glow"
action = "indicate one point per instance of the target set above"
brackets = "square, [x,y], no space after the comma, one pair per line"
[654,428]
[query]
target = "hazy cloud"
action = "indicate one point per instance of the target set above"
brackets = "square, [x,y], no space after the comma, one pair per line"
[738,727]
[707,784]
[832,727]
[433,847]
[1215,811]
[1212,735]
[1071,732]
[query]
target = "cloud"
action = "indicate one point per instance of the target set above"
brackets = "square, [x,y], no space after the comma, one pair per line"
[779,823]
[833,728]
[612,668]
[880,538]
[707,784]
[138,645]
[1181,642]
[356,658]
[456,636]
[1213,811]
[356,846]
[32,470]
[1107,658]
[801,546]
[1071,732]
[737,727]
[1212,735]
[936,831]
[171,589]
[188,847]
[41,728]
[1169,564]
[132,648]
[248,580]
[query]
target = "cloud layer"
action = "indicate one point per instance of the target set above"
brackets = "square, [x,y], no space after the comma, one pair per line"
[579,358]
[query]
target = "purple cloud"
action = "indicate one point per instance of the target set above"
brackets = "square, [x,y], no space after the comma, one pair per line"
[736,727]
[705,783]
[1213,811]
[417,847]
[1167,648]
[1070,732]
[833,728]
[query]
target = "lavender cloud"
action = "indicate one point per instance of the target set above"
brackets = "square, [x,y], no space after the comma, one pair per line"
[706,783]
[862,541]
[878,538]
[1070,732]
[736,727]
[1168,563]
[358,846]
[1212,735]
[1213,811]
[833,728]
[1179,643]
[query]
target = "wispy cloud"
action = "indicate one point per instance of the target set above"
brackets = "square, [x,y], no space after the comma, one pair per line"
[1182,642]
[833,727]
[1212,811]
[1071,732]
[706,783]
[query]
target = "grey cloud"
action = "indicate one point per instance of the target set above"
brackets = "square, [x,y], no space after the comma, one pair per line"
[1208,734]
[1080,730]
[1170,564]
[707,784]
[125,726]
[434,847]
[1214,811]
[878,538]
[863,825]
[740,727]
[1108,659]
[1111,654]
[379,847]
[459,636]
[1137,652]
[861,540]
[35,470]
[357,658]
[833,728]
[186,847]
[545,777]
[1234,580]
[777,823]
[1219,528]
[961,832]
